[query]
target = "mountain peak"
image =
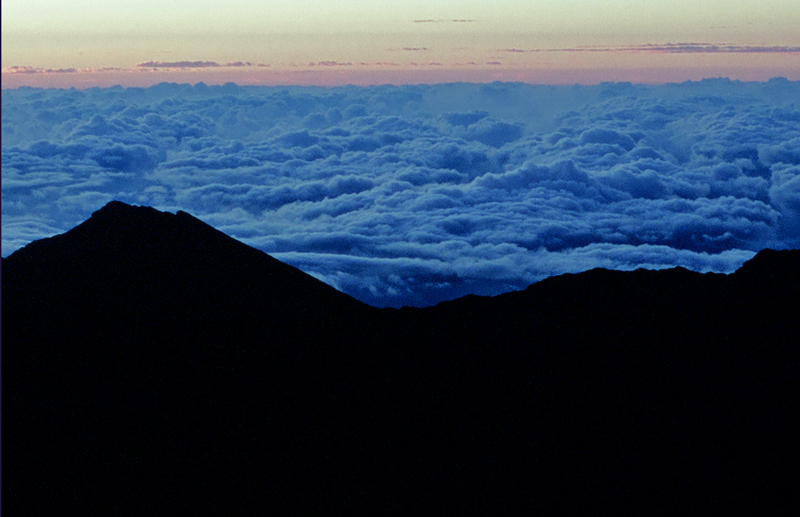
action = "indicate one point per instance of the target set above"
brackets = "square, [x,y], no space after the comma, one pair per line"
[117,209]
[771,263]
[115,205]
[125,252]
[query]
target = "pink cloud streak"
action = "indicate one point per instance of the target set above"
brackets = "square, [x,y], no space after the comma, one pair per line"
[193,64]
[672,48]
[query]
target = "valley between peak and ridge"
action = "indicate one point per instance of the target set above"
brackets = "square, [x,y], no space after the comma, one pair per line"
[153,362]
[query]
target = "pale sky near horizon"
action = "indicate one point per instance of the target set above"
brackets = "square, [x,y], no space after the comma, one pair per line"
[48,42]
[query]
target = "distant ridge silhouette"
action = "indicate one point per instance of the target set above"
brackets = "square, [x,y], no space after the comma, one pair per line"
[153,364]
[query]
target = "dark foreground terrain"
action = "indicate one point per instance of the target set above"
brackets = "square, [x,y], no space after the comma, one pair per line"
[151,364]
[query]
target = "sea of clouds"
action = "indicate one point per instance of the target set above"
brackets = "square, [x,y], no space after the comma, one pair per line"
[409,195]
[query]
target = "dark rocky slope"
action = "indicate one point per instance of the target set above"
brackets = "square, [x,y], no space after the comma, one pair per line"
[151,363]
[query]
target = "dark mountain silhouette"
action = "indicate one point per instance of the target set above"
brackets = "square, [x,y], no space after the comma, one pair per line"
[153,364]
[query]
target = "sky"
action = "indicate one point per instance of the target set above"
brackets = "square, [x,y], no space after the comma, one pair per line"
[414,194]
[87,43]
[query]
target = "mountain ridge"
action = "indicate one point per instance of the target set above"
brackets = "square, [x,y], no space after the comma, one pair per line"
[152,362]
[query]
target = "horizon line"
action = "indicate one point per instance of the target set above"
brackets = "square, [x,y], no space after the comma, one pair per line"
[333,77]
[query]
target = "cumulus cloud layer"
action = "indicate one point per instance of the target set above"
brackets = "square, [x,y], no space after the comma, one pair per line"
[416,194]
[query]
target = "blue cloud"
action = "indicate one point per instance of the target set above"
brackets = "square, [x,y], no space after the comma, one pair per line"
[416,194]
